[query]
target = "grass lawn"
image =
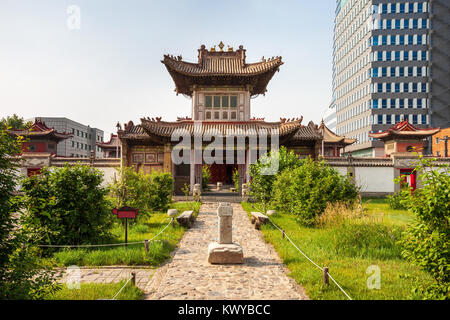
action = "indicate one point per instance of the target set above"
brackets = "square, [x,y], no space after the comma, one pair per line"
[379,209]
[95,291]
[134,254]
[348,251]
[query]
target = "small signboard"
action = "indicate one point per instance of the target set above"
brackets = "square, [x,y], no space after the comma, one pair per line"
[125,212]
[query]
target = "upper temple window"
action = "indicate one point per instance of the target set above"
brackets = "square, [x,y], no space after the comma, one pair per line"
[221,101]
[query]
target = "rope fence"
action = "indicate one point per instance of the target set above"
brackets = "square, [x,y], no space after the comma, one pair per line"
[106,245]
[117,294]
[323,269]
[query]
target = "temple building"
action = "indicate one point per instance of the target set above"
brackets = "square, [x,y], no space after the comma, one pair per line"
[110,149]
[221,86]
[39,138]
[403,138]
[332,144]
[40,141]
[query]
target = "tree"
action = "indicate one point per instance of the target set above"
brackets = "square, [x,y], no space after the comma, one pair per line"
[22,276]
[261,185]
[306,190]
[426,242]
[67,206]
[145,192]
[15,122]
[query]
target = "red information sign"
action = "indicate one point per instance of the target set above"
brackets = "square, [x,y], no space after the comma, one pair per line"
[125,212]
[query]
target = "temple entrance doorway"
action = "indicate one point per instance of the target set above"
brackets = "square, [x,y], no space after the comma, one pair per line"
[222,173]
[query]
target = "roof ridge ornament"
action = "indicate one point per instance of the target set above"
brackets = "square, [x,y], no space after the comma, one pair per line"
[221,45]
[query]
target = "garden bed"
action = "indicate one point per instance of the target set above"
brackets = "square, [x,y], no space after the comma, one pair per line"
[144,228]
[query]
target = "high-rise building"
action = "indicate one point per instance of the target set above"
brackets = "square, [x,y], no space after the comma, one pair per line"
[329,117]
[390,62]
[83,139]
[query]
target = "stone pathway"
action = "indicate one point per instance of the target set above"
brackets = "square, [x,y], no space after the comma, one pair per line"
[188,275]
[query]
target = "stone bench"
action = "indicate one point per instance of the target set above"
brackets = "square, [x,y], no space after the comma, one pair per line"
[258,219]
[186,219]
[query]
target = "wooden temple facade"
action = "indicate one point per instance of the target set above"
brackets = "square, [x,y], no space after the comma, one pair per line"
[221,85]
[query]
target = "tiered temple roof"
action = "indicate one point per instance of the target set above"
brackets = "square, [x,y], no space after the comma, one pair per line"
[221,68]
[39,130]
[404,130]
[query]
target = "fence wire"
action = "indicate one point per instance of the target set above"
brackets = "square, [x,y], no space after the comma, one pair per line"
[310,260]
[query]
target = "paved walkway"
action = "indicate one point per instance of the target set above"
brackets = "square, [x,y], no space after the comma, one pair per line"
[188,275]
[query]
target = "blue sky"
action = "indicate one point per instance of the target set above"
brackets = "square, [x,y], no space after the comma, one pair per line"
[109,70]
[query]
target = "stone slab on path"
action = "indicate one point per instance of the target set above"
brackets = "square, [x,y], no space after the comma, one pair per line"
[112,275]
[188,275]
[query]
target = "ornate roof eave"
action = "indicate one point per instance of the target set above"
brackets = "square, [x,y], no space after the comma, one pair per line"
[164,130]
[404,129]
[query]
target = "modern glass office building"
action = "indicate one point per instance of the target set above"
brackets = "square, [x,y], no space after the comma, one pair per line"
[390,62]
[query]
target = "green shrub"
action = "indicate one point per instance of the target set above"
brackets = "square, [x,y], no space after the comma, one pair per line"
[306,190]
[426,242]
[146,192]
[236,179]
[67,206]
[397,200]
[22,274]
[367,240]
[206,176]
[161,189]
[262,180]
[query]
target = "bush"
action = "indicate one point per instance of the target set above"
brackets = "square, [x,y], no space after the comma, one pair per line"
[236,179]
[262,180]
[206,176]
[397,200]
[22,273]
[146,192]
[67,206]
[426,242]
[306,190]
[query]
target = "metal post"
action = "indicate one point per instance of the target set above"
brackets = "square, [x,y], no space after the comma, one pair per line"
[282,233]
[146,245]
[133,278]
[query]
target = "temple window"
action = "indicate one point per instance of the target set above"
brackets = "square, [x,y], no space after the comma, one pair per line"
[216,101]
[225,101]
[138,157]
[208,115]
[233,101]
[221,101]
[208,101]
[150,158]
[216,115]
[233,115]
[225,115]
[160,157]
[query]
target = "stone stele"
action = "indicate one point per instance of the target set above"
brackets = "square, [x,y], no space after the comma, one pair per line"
[225,251]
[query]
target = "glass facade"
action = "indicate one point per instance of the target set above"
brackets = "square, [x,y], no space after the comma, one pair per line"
[380,66]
